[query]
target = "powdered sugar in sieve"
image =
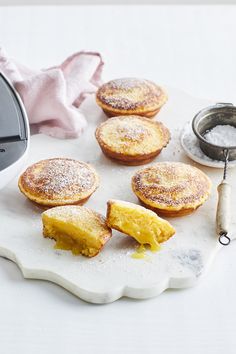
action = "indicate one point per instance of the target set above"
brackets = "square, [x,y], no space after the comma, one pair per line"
[191,147]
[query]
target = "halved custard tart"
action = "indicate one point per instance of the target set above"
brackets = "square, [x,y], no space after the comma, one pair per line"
[138,222]
[76,228]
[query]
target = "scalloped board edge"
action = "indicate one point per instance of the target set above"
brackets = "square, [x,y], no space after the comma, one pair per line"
[114,294]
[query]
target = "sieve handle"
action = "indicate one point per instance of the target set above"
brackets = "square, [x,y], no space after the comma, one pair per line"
[223,208]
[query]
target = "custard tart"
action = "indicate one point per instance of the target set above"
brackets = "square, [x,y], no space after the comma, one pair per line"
[171,188]
[58,181]
[138,222]
[128,96]
[132,140]
[76,228]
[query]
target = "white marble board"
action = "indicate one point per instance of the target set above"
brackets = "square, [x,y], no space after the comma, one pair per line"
[113,273]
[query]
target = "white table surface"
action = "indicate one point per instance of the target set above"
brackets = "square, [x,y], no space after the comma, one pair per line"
[192,48]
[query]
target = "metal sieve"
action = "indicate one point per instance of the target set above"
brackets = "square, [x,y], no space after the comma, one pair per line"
[205,120]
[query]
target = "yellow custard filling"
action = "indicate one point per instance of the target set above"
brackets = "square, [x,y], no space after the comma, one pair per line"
[68,237]
[140,253]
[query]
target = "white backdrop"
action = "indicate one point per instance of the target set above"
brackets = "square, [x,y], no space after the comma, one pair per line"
[112,2]
[189,47]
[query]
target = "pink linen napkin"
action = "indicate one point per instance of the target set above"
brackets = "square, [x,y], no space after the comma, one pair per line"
[52,96]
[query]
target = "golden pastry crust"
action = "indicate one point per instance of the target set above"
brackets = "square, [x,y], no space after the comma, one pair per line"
[138,222]
[171,188]
[58,181]
[75,228]
[132,140]
[128,96]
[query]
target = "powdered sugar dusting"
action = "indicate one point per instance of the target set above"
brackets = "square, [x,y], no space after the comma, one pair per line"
[130,94]
[131,130]
[127,83]
[120,102]
[77,215]
[68,213]
[172,184]
[55,176]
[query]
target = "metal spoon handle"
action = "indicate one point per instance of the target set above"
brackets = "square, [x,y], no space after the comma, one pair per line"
[223,214]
